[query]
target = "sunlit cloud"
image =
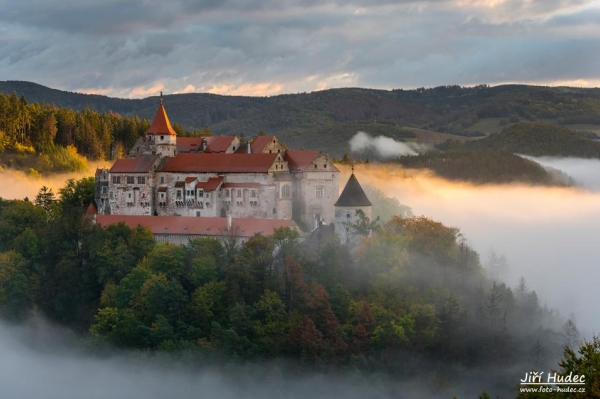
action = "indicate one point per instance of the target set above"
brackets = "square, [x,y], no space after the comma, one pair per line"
[248,89]
[141,91]
[186,89]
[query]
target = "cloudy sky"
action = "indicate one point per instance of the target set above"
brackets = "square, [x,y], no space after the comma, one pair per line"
[135,48]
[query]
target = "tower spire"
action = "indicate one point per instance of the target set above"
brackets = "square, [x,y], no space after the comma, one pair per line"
[161,99]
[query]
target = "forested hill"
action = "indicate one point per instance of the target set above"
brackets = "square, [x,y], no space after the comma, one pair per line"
[450,109]
[538,140]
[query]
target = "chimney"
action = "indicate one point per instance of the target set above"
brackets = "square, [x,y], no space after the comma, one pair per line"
[229,222]
[249,149]
[204,145]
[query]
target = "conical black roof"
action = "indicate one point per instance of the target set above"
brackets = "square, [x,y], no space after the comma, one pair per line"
[353,194]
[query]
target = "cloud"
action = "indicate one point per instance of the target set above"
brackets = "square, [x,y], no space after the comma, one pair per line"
[385,147]
[236,46]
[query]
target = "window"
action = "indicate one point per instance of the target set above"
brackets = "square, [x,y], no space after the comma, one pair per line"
[253,194]
[116,179]
[200,193]
[189,193]
[325,166]
[141,180]
[198,214]
[178,194]
[207,195]
[104,189]
[320,192]
[143,195]
[227,193]
[162,195]
[315,166]
[285,191]
[130,180]
[111,195]
[162,138]
[239,193]
[162,180]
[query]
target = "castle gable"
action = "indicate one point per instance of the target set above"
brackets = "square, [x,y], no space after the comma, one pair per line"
[265,145]
[298,161]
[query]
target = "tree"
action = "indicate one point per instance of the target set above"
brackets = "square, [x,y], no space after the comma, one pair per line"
[570,333]
[307,339]
[585,362]
[497,266]
[168,259]
[15,289]
[271,326]
[44,198]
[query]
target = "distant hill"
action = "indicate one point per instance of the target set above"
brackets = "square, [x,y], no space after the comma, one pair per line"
[326,120]
[483,167]
[446,109]
[538,140]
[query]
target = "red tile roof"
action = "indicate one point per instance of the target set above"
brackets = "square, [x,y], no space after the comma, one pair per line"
[299,160]
[188,180]
[160,123]
[259,143]
[140,164]
[213,143]
[91,210]
[188,144]
[218,143]
[200,226]
[212,184]
[219,163]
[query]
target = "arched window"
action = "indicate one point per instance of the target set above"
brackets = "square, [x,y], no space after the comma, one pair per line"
[285,191]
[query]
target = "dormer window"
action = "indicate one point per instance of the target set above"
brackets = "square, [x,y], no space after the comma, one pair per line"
[162,138]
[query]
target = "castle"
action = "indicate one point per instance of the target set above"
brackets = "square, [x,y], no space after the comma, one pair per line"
[220,178]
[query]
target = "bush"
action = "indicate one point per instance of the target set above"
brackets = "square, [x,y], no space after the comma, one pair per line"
[22,149]
[67,159]
[34,173]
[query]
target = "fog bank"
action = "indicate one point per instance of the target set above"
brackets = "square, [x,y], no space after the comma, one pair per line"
[36,361]
[548,234]
[15,184]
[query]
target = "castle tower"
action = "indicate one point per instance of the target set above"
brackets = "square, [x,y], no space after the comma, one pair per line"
[161,137]
[348,207]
